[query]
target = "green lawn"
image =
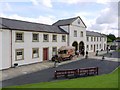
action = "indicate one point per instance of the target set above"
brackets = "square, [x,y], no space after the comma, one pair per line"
[118,50]
[103,81]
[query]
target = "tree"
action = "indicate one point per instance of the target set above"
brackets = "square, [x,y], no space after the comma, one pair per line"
[118,38]
[109,40]
[111,37]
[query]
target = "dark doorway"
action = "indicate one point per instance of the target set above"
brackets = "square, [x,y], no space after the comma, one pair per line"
[81,46]
[75,44]
[94,48]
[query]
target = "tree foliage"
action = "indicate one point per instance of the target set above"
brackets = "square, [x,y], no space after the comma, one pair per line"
[111,38]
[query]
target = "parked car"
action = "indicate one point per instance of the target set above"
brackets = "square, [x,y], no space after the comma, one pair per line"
[66,52]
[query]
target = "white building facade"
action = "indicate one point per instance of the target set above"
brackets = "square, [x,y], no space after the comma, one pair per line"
[95,41]
[77,32]
[25,43]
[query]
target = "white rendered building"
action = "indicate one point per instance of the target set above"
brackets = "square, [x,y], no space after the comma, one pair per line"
[25,43]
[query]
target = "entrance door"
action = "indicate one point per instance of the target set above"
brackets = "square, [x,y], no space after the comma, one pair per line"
[45,54]
[81,46]
[94,48]
[75,44]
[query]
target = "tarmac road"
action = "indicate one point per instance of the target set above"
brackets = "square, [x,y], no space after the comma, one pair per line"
[48,74]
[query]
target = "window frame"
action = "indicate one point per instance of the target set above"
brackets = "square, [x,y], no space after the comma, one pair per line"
[33,53]
[55,52]
[81,34]
[75,33]
[100,38]
[53,38]
[91,47]
[47,38]
[65,38]
[16,36]
[97,39]
[17,55]
[37,37]
[100,46]
[87,47]
[91,39]
[87,39]
[97,46]
[94,39]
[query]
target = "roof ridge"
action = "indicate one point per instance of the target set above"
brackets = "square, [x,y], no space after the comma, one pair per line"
[25,21]
[68,18]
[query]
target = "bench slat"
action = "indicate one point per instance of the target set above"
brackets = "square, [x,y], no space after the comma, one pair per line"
[81,71]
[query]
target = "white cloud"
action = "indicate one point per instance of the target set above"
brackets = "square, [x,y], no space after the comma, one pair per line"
[80,1]
[8,7]
[35,2]
[106,1]
[46,3]
[5,7]
[72,1]
[106,17]
[41,19]
[107,21]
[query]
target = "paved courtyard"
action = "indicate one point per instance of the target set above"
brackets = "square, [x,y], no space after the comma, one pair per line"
[47,75]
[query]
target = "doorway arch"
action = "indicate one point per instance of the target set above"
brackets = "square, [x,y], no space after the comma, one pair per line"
[81,46]
[75,44]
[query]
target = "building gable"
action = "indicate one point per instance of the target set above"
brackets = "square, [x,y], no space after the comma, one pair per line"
[71,21]
[78,22]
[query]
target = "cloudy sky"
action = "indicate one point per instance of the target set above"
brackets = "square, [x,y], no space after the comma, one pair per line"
[98,15]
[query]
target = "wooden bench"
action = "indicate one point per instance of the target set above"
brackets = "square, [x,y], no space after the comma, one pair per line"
[88,71]
[66,73]
[76,72]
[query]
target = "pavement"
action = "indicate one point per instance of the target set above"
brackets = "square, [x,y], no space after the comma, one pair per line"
[44,72]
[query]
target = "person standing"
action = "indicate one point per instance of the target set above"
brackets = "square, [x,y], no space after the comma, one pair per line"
[77,52]
[86,54]
[83,53]
[56,60]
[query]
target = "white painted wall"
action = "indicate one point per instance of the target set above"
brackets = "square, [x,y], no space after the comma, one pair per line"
[27,45]
[0,49]
[65,28]
[6,49]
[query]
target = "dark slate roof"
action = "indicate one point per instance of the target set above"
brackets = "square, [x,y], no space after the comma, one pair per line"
[67,21]
[29,26]
[92,33]
[103,35]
